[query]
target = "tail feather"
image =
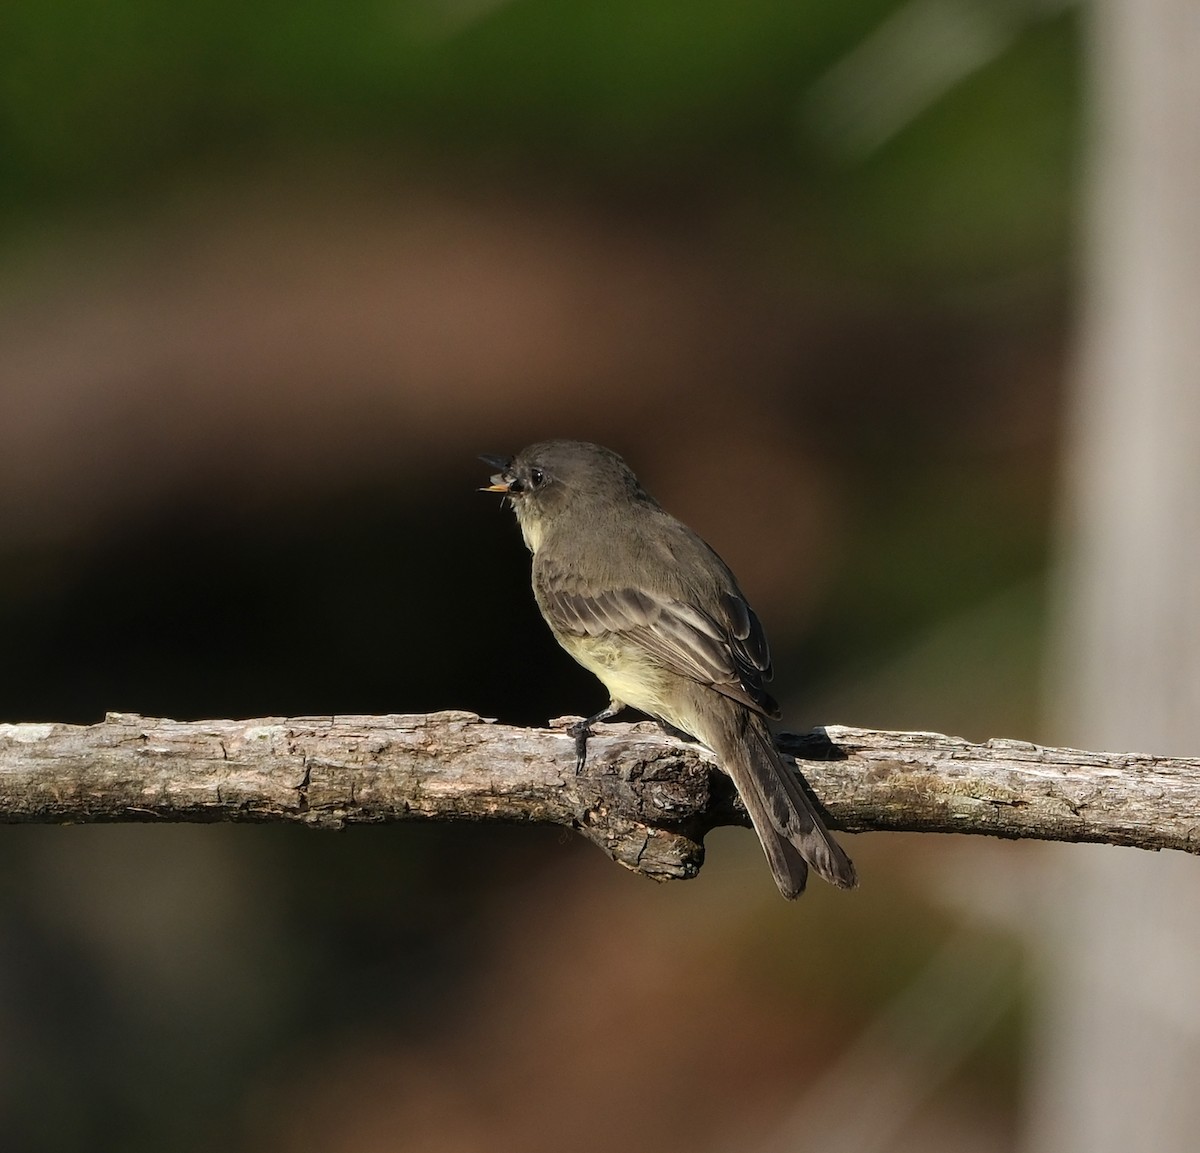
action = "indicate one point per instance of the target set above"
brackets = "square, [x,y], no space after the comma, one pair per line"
[788,865]
[789,827]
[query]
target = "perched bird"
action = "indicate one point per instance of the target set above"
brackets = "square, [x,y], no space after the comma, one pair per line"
[640,600]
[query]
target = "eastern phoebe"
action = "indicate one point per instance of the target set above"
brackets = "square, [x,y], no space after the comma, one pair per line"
[641,601]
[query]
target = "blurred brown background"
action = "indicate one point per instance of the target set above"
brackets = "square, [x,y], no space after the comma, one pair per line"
[272,276]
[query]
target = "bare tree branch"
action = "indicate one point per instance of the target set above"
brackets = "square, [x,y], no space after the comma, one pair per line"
[647,799]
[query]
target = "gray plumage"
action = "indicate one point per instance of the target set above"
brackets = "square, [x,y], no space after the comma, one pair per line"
[640,600]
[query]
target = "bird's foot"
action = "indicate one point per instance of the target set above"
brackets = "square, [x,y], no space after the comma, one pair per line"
[582,729]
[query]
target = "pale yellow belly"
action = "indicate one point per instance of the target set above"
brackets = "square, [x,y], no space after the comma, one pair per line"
[628,673]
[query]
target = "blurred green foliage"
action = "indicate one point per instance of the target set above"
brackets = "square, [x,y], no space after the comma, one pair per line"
[704,98]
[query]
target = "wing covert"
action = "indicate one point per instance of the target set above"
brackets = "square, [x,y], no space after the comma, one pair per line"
[730,653]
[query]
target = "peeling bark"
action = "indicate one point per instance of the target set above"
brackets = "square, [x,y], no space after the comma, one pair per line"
[646,798]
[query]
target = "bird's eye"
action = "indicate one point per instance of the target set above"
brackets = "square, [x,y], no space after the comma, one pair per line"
[536,477]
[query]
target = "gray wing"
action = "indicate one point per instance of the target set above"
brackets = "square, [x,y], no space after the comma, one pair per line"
[725,649]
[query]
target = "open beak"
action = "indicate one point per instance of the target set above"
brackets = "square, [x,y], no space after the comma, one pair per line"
[500,483]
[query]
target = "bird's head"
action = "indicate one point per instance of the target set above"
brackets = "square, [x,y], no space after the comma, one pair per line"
[544,480]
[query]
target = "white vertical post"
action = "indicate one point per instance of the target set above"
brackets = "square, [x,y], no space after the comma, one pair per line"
[1116,1062]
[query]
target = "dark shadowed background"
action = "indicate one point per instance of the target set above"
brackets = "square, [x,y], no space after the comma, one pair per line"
[271,277]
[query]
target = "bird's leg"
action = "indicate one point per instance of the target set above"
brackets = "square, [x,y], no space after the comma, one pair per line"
[581,730]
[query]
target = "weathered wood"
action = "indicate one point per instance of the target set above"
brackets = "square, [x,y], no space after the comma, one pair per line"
[646,798]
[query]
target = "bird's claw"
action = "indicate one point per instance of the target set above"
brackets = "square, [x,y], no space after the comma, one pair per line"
[580,730]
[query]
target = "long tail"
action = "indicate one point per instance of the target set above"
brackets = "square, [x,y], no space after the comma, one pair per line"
[792,834]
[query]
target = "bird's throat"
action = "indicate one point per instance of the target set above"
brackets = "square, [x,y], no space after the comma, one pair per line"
[531,528]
